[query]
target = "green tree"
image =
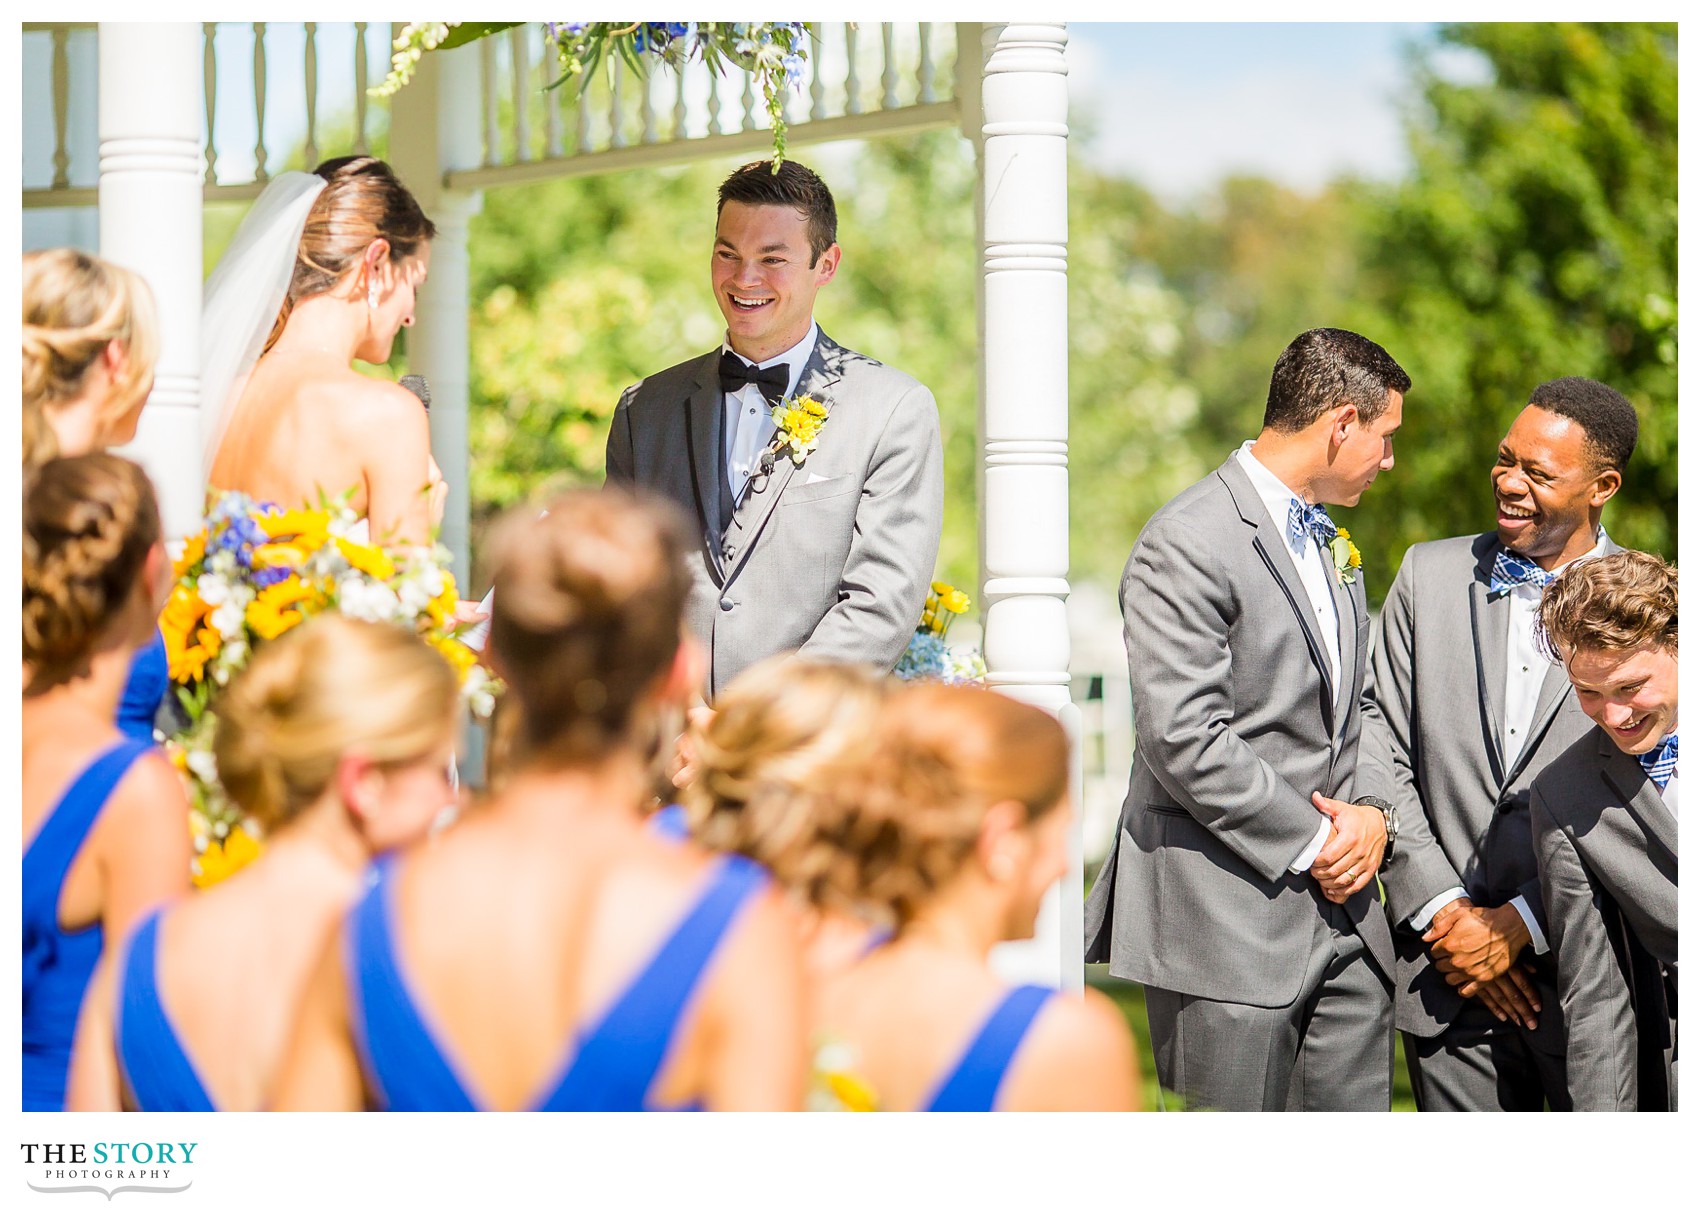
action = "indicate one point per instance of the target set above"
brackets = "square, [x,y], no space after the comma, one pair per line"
[1536,237]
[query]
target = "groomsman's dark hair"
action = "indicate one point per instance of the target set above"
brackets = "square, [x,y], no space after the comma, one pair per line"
[1324,368]
[794,185]
[1605,415]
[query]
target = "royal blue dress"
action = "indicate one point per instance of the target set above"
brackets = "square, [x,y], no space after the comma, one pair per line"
[156,1071]
[147,684]
[972,1084]
[669,822]
[613,1061]
[57,963]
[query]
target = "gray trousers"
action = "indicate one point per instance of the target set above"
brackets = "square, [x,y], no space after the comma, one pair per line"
[1330,1050]
[1478,1064]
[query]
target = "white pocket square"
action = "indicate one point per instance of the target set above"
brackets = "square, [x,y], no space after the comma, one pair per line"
[816,478]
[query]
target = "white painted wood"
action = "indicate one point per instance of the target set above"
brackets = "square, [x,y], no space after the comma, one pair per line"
[149,123]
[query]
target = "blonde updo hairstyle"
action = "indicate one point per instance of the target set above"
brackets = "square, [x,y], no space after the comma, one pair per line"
[89,524]
[942,756]
[782,736]
[587,620]
[362,201]
[75,305]
[322,689]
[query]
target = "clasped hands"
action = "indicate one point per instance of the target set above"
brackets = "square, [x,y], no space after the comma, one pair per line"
[1351,856]
[1477,949]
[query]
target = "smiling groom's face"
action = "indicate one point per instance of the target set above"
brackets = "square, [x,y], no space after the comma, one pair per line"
[763,279]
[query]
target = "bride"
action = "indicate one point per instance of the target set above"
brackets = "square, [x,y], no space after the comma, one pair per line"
[322,272]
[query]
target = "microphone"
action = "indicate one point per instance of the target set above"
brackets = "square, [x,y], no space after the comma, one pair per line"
[417,385]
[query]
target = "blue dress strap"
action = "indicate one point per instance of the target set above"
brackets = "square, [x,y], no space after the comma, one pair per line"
[157,1071]
[669,822]
[972,1086]
[403,1064]
[57,963]
[620,1055]
[148,681]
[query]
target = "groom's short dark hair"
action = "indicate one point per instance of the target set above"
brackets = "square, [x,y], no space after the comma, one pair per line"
[1324,368]
[793,185]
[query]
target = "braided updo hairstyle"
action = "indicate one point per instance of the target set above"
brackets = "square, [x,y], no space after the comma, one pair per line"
[89,523]
[362,201]
[909,822]
[326,687]
[75,305]
[589,603]
[769,762]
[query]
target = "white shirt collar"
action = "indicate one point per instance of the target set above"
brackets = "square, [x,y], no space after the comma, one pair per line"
[1274,492]
[794,359]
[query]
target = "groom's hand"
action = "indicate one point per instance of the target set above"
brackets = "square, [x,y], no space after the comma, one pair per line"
[1351,857]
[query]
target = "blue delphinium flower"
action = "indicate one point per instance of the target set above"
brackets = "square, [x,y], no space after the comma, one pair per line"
[793,70]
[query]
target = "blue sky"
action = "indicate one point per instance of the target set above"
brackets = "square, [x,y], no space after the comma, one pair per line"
[1177,106]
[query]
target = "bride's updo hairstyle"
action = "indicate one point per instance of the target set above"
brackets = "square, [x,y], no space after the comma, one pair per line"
[322,689]
[941,756]
[589,601]
[75,305]
[783,735]
[362,201]
[89,523]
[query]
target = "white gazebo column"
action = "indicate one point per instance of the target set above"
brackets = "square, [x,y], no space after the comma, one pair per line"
[150,221]
[1024,416]
[434,130]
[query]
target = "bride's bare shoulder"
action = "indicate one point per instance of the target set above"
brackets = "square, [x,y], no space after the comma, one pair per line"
[364,405]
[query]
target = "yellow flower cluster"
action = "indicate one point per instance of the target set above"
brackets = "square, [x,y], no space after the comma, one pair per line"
[799,421]
[237,850]
[945,603]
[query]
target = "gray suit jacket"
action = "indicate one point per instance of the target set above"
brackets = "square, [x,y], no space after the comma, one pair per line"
[1237,724]
[1602,831]
[832,557]
[1437,708]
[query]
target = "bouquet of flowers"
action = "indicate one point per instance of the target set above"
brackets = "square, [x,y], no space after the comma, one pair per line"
[254,571]
[927,655]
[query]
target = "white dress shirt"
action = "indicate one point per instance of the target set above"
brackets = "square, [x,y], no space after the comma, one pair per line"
[1315,574]
[1525,669]
[749,418]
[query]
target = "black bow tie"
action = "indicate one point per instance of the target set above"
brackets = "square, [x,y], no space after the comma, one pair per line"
[735,374]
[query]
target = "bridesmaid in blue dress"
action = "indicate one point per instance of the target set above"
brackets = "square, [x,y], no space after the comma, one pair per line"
[336,740]
[958,827]
[551,951]
[105,821]
[89,343]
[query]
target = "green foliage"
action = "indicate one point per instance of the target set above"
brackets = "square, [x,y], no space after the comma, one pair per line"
[1536,238]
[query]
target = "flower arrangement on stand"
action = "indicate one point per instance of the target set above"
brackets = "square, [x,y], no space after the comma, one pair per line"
[774,52]
[928,656]
[253,572]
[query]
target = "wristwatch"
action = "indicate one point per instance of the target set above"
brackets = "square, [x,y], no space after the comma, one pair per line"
[1390,819]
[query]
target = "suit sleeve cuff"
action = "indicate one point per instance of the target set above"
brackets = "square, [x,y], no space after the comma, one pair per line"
[1537,941]
[1309,854]
[1426,912]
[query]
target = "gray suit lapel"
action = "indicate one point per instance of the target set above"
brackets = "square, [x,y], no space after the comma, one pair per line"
[1640,795]
[1271,545]
[763,493]
[1346,622]
[1488,623]
[704,424]
[1554,687]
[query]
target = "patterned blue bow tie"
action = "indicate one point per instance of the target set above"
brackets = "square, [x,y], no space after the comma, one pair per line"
[1511,570]
[1310,520]
[1660,761]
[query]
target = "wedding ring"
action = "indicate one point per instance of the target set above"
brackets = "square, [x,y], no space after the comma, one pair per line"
[1351,875]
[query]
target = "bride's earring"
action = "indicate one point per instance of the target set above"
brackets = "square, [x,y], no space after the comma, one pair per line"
[372,296]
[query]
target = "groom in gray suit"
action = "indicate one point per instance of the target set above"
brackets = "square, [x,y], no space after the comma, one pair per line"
[1472,713]
[1604,818]
[815,538]
[1240,890]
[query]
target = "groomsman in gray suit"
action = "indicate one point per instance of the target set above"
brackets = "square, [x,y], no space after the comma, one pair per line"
[1471,713]
[822,543]
[1604,818]
[1240,891]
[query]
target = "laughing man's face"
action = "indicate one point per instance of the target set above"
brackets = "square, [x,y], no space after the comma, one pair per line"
[763,279]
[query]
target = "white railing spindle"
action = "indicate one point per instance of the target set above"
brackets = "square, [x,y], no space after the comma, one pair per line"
[312,69]
[520,46]
[360,88]
[260,173]
[61,108]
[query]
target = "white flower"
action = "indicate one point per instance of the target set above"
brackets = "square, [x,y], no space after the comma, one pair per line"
[223,563]
[416,594]
[202,765]
[475,690]
[227,618]
[214,590]
[362,599]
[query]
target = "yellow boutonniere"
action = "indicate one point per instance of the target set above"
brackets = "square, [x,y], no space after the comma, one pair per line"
[799,420]
[1347,559]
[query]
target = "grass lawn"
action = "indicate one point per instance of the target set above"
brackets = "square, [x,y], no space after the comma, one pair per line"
[1131,999]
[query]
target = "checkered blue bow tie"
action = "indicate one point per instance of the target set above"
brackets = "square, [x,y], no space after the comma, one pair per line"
[1660,761]
[1511,570]
[1310,520]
